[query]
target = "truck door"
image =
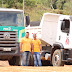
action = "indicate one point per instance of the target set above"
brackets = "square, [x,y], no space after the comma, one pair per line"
[64,35]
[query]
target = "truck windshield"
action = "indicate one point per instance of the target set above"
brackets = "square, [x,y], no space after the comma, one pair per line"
[11,19]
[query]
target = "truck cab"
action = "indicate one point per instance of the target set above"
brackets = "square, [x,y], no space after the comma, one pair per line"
[11,31]
[63,42]
[64,31]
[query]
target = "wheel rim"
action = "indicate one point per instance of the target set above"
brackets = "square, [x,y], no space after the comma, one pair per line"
[56,60]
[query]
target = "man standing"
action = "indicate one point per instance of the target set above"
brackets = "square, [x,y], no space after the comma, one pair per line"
[25,46]
[36,49]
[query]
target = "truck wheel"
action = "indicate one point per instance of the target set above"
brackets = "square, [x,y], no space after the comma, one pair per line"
[12,61]
[56,58]
[17,60]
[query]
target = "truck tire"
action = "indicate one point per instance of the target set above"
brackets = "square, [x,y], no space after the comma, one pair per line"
[15,61]
[56,58]
[12,61]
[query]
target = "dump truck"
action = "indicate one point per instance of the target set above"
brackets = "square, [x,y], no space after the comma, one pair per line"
[12,29]
[55,34]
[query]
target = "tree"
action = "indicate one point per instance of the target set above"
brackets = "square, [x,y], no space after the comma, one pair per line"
[60,3]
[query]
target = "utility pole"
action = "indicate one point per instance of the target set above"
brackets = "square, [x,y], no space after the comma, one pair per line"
[23,12]
[23,7]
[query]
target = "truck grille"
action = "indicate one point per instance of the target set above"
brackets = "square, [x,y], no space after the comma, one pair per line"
[8,39]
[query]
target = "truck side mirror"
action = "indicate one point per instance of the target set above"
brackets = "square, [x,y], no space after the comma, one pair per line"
[27,20]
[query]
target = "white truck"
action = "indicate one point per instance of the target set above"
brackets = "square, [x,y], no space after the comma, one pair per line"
[54,31]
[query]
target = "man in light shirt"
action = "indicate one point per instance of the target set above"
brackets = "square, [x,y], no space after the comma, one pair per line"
[36,50]
[25,47]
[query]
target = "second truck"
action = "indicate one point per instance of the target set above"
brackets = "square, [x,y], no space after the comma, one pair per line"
[55,33]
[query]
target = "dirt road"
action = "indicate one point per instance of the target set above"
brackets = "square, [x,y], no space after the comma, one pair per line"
[5,67]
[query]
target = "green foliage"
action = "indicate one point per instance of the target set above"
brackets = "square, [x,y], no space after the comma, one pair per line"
[68,8]
[60,4]
[19,5]
[36,8]
[6,3]
[30,3]
[20,1]
[45,2]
